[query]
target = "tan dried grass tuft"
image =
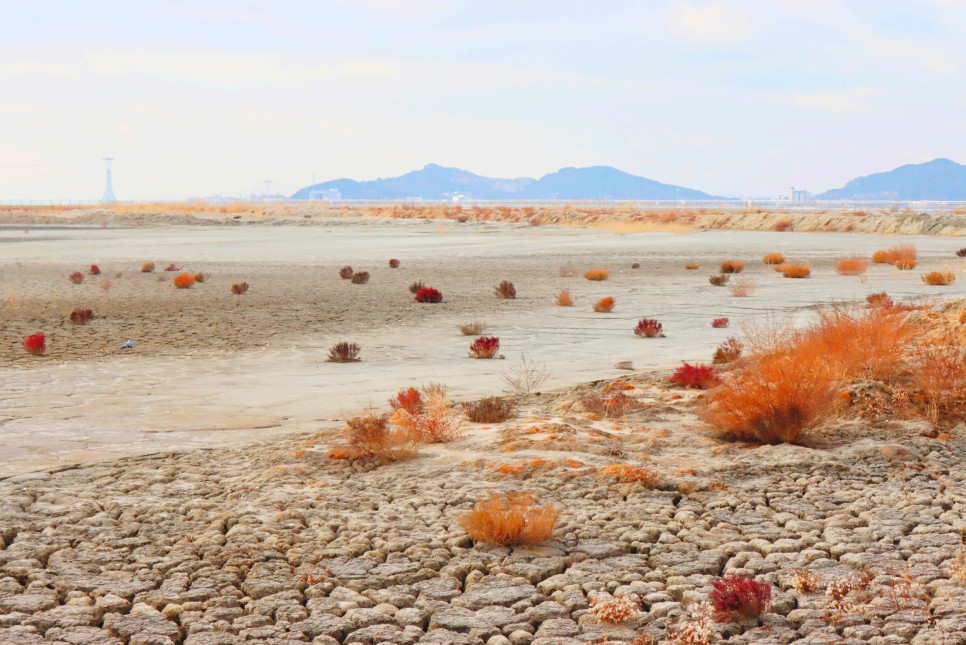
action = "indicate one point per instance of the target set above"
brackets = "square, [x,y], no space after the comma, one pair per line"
[511,519]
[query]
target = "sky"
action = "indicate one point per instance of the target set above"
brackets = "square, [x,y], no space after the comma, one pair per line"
[737,98]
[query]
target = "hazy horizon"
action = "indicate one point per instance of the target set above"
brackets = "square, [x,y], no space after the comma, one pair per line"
[728,97]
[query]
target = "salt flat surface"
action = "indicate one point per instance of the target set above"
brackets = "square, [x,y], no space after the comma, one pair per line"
[60,412]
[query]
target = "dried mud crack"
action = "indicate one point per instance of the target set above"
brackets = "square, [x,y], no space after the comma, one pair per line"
[282,544]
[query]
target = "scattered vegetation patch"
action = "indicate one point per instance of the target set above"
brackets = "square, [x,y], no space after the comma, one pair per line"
[428,294]
[184,281]
[896,253]
[80,316]
[147,267]
[938,278]
[774,258]
[607,609]
[510,520]
[728,351]
[370,437]
[852,266]
[393,263]
[596,274]
[631,474]
[906,264]
[200,277]
[491,409]
[346,272]
[739,597]
[961,252]
[720,323]
[416,286]
[360,277]
[437,423]
[880,299]
[732,266]
[692,266]
[607,405]
[473,328]
[505,290]
[636,265]
[172,267]
[239,288]
[648,328]
[719,280]
[35,344]
[344,352]
[408,399]
[695,376]
[604,305]
[485,347]
[742,288]
[76,277]
[796,270]
[94,270]
[564,299]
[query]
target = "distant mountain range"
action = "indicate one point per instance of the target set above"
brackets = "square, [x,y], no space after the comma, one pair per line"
[436,182]
[939,179]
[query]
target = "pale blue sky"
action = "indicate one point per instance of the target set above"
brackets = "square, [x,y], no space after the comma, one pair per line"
[727,96]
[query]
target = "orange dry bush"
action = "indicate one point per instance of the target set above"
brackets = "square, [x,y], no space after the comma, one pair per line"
[796,270]
[512,519]
[436,424]
[596,274]
[692,266]
[905,264]
[774,399]
[409,399]
[604,305]
[184,280]
[852,266]
[732,266]
[147,267]
[239,288]
[368,436]
[564,299]
[631,474]
[774,258]
[743,288]
[200,277]
[865,343]
[939,375]
[896,253]
[938,278]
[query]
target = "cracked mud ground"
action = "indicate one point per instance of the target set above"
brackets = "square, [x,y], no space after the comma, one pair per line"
[281,544]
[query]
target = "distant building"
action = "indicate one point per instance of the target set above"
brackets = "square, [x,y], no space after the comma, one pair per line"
[799,196]
[329,195]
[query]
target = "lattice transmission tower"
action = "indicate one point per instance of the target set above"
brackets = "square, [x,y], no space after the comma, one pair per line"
[108,189]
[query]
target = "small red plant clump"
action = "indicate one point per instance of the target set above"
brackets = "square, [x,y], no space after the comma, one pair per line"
[393,263]
[648,328]
[695,377]
[720,323]
[485,347]
[35,344]
[604,305]
[428,294]
[345,272]
[172,267]
[409,400]
[95,270]
[360,277]
[184,281]
[76,277]
[239,288]
[506,290]
[81,316]
[147,267]
[739,597]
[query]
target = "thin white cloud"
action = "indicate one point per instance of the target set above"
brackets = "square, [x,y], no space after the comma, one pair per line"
[719,23]
[853,100]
